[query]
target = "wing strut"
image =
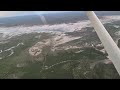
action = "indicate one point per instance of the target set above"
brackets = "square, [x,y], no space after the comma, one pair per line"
[107,41]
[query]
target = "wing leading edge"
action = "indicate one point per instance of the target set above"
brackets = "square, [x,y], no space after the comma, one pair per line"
[107,41]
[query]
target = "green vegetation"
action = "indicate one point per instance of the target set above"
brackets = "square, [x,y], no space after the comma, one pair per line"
[8,65]
[68,61]
[64,64]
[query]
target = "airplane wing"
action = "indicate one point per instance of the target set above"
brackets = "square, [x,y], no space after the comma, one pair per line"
[107,41]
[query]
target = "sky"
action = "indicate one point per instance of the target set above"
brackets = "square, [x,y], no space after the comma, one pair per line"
[21,13]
